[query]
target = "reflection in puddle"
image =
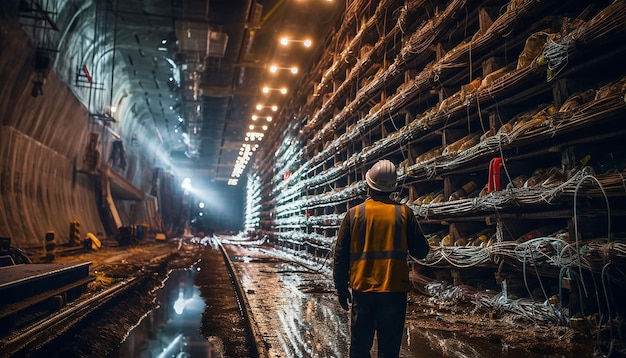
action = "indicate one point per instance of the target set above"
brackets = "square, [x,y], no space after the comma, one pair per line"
[173,329]
[244,258]
[298,314]
[293,321]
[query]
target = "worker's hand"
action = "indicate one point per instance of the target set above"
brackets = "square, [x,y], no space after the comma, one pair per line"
[344,298]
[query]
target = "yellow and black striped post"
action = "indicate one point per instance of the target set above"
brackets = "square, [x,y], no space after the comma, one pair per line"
[75,238]
[50,246]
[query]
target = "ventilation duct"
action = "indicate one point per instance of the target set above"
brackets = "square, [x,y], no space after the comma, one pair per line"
[216,44]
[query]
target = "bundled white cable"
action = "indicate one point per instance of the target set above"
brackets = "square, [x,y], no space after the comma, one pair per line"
[522,307]
[457,256]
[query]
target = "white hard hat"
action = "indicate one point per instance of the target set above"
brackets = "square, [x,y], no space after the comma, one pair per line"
[382,176]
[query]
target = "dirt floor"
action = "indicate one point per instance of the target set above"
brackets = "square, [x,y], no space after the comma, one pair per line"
[454,329]
[303,302]
[222,317]
[462,329]
[102,333]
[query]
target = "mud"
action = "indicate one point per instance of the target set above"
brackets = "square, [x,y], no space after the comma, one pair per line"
[294,305]
[104,331]
[295,310]
[223,317]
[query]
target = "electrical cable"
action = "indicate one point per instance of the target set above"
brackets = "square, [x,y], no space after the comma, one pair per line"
[506,171]
[480,115]
[609,320]
[576,232]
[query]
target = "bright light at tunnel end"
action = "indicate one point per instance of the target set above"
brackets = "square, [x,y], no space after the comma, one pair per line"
[186,184]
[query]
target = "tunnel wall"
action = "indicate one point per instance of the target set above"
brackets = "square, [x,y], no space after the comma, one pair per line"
[42,140]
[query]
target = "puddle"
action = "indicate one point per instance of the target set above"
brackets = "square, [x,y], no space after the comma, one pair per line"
[173,329]
[298,314]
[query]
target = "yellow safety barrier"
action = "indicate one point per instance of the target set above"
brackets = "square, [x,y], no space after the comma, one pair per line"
[92,242]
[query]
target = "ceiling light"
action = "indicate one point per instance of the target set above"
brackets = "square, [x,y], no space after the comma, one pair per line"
[267,90]
[260,107]
[268,118]
[275,69]
[285,41]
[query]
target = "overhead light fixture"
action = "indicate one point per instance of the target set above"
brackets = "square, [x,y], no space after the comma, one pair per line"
[252,136]
[267,118]
[260,107]
[281,90]
[275,69]
[245,153]
[285,41]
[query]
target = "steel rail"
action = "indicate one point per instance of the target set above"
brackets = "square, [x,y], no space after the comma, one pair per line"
[253,329]
[48,329]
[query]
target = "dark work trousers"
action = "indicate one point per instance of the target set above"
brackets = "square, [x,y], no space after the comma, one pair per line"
[380,312]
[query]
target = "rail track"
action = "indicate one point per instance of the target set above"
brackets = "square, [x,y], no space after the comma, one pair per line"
[259,348]
[37,334]
[41,337]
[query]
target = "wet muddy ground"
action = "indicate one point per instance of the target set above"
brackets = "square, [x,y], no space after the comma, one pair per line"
[222,319]
[295,310]
[292,305]
[104,331]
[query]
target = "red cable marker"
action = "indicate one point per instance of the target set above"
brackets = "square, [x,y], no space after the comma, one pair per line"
[87,73]
[494,183]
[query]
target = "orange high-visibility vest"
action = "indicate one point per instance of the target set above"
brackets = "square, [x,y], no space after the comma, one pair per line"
[378,249]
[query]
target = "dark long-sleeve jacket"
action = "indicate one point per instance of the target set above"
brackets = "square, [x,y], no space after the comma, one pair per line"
[370,254]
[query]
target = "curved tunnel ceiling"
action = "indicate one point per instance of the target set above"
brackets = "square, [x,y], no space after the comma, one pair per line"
[184,76]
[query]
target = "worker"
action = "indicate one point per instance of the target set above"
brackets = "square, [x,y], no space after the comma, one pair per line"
[370,257]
